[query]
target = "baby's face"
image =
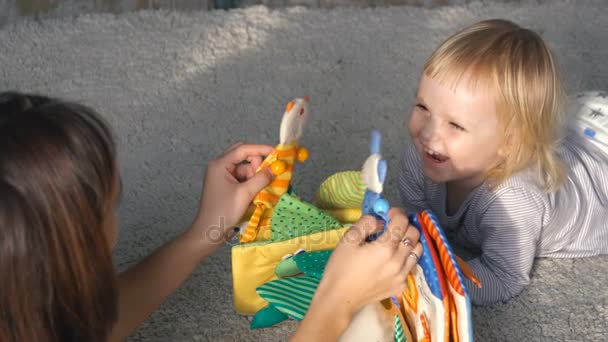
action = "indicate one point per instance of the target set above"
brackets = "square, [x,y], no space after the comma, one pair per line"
[456,131]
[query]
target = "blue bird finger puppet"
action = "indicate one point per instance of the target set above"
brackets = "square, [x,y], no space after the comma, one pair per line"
[373,174]
[379,321]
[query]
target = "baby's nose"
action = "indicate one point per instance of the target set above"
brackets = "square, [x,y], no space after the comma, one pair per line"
[427,132]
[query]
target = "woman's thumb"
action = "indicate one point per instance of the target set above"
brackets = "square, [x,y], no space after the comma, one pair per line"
[258,182]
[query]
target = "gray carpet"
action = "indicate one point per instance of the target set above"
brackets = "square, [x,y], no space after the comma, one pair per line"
[179,87]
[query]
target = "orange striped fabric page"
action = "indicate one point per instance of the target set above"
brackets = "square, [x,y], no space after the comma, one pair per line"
[446,262]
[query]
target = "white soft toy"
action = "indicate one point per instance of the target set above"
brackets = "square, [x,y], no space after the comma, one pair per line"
[591,117]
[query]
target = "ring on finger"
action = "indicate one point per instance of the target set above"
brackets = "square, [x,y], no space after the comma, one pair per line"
[406,241]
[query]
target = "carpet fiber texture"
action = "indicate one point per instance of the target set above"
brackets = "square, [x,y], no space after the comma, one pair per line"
[179,87]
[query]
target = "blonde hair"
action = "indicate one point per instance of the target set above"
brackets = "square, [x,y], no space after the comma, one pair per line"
[516,65]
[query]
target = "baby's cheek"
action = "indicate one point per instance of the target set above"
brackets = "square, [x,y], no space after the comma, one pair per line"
[413,126]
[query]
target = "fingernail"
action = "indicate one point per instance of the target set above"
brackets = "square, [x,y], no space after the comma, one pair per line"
[269,172]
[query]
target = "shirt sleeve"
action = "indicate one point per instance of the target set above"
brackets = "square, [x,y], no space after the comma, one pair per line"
[411,181]
[509,230]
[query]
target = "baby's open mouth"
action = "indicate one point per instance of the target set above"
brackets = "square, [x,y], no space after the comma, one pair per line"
[435,156]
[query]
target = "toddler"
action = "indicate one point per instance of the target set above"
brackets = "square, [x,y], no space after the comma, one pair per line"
[489,157]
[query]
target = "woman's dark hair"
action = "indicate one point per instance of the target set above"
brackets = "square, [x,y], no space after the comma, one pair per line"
[58,178]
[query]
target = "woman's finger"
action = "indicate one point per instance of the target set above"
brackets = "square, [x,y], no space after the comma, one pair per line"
[407,242]
[255,162]
[393,211]
[242,172]
[396,228]
[411,257]
[247,169]
[232,147]
[360,230]
[256,183]
[244,152]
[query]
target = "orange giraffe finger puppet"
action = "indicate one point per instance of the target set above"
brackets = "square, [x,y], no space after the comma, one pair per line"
[281,161]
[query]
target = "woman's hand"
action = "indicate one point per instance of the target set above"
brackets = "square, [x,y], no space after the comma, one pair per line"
[359,273]
[230,185]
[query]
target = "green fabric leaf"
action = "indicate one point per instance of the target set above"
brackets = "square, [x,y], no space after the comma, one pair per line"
[312,263]
[292,218]
[287,268]
[291,296]
[267,317]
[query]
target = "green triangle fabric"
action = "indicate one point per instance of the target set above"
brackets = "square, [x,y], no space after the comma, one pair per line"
[292,218]
[267,317]
[342,190]
[312,263]
[291,296]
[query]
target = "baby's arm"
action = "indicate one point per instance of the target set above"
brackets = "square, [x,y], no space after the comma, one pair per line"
[509,232]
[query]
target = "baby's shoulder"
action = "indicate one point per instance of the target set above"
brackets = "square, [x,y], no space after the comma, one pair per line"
[523,187]
[527,181]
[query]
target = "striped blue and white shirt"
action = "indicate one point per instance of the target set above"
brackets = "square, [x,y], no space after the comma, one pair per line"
[508,227]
